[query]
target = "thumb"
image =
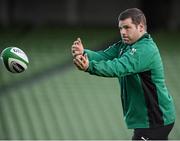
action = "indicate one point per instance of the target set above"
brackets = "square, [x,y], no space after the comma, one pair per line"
[79,39]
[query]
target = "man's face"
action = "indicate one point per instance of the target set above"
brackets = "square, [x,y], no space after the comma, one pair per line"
[130,32]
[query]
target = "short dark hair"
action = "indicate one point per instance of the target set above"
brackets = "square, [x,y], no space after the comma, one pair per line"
[135,14]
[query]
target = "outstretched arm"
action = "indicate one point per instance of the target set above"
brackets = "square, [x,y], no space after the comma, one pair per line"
[130,63]
[108,54]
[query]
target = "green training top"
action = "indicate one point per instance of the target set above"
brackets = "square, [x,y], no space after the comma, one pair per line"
[145,99]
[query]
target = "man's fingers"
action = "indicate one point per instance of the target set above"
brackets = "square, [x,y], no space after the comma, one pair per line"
[75,53]
[79,60]
[78,41]
[78,63]
[75,50]
[75,47]
[83,60]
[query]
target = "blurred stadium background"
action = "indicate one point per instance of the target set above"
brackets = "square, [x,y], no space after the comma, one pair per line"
[52,99]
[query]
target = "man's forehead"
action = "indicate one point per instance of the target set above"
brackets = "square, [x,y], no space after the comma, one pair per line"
[125,22]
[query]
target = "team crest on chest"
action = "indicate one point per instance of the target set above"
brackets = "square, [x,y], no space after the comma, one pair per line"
[133,50]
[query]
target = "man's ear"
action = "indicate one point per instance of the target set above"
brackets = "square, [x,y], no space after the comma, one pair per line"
[141,26]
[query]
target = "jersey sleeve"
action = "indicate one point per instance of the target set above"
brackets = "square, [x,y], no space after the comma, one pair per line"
[131,62]
[108,54]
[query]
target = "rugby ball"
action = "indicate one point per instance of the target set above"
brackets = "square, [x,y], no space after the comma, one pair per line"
[14,59]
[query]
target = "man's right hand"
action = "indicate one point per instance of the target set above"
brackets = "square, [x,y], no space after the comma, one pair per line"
[81,62]
[77,48]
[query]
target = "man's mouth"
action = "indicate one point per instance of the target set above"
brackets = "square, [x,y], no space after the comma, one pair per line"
[125,39]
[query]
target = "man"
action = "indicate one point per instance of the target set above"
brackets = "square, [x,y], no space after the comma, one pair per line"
[135,61]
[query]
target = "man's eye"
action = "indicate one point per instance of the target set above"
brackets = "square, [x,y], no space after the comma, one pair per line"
[126,27]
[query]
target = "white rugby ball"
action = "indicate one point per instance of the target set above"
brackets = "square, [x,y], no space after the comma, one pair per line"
[14,59]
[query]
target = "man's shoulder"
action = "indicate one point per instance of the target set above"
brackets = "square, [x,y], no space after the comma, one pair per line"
[147,42]
[146,46]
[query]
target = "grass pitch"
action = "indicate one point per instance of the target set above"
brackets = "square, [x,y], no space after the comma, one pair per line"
[50,101]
